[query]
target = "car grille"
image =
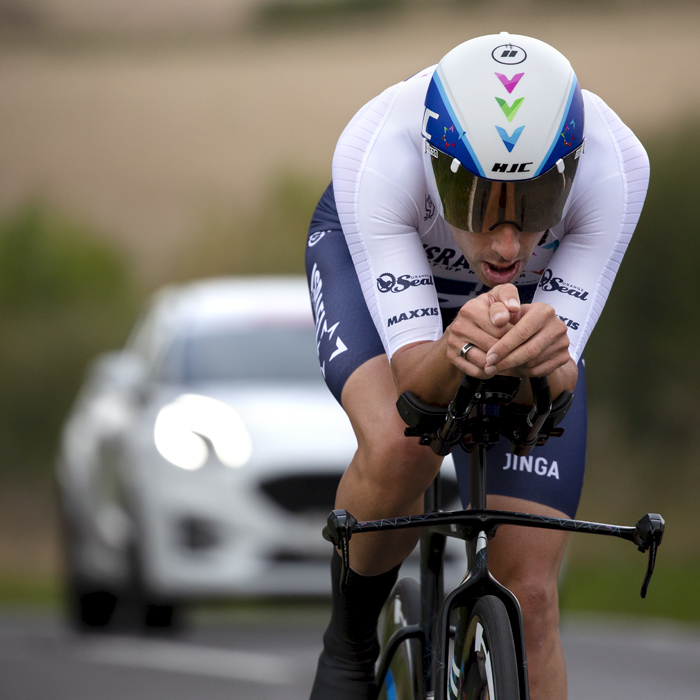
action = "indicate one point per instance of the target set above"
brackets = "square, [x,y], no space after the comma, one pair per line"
[283,556]
[315,493]
[303,493]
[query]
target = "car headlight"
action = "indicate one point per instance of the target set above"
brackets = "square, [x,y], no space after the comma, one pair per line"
[186,428]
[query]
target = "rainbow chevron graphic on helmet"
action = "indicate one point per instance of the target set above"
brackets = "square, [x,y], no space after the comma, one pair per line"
[510,141]
[510,83]
[510,110]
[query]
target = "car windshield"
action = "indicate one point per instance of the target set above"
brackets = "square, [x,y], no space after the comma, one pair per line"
[279,353]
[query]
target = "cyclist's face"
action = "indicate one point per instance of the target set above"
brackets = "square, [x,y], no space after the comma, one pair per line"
[498,256]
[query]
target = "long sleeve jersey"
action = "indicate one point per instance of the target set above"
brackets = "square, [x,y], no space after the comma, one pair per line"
[411,270]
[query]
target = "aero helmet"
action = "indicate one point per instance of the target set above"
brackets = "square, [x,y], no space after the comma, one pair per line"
[503,128]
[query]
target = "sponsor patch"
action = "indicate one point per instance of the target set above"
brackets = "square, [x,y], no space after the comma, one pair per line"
[548,283]
[569,323]
[386,282]
[414,313]
[445,257]
[511,167]
[429,208]
[315,237]
[532,465]
[508,54]
[325,347]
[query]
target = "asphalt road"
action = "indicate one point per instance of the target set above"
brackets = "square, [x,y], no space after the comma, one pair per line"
[219,657]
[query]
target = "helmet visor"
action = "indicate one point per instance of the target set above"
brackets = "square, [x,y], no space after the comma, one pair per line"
[475,204]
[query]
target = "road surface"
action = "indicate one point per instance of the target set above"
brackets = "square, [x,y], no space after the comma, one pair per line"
[220,656]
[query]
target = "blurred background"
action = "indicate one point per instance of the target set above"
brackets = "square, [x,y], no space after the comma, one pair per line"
[160,141]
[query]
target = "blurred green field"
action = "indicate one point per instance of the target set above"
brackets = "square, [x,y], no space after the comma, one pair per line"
[607,589]
[615,589]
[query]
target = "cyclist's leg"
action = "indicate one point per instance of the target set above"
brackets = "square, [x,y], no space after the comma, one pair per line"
[525,560]
[389,472]
[386,478]
[387,475]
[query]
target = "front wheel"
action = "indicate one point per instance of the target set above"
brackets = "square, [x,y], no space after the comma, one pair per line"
[486,667]
[404,679]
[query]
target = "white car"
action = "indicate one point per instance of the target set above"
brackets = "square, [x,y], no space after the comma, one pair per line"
[201,461]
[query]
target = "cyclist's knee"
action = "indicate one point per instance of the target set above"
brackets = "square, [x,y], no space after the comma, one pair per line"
[539,600]
[396,464]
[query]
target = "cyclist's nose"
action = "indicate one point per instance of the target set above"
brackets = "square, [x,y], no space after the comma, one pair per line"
[506,242]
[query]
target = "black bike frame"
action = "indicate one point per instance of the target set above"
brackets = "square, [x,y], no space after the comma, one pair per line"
[476,526]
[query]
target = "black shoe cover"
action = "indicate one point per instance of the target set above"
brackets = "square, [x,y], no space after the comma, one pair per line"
[350,644]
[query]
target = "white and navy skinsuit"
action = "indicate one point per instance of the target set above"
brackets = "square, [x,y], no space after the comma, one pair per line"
[384,269]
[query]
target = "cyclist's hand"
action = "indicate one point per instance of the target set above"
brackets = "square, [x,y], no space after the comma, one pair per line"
[535,345]
[482,321]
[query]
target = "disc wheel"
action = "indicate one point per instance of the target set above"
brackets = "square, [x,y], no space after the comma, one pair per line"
[404,679]
[486,668]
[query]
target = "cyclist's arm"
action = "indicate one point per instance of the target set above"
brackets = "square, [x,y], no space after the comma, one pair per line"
[536,338]
[600,219]
[605,204]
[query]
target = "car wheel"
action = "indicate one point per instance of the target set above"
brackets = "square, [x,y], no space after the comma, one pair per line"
[88,607]
[88,603]
[138,609]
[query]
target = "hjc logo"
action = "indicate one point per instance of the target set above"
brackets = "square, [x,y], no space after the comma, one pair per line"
[510,168]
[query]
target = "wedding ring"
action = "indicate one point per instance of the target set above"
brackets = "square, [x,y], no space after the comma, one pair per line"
[467,347]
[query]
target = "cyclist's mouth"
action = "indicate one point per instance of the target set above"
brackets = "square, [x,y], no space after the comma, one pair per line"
[501,274]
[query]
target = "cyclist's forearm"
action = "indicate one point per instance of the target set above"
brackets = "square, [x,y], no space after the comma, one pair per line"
[562,379]
[423,368]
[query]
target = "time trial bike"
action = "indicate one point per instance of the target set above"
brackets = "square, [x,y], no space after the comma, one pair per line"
[469,644]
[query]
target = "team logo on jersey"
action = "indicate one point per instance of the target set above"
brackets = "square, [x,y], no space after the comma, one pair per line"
[508,54]
[443,256]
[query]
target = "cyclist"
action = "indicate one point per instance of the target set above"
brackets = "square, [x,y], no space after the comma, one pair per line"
[473,225]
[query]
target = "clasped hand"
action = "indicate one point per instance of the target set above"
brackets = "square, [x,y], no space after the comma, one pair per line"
[528,340]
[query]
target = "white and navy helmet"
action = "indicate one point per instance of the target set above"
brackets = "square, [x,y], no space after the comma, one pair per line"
[504,128]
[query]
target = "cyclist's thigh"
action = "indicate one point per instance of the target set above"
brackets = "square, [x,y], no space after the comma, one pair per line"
[345,333]
[551,475]
[351,354]
[523,555]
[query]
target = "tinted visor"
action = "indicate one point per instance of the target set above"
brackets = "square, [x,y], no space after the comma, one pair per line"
[475,204]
